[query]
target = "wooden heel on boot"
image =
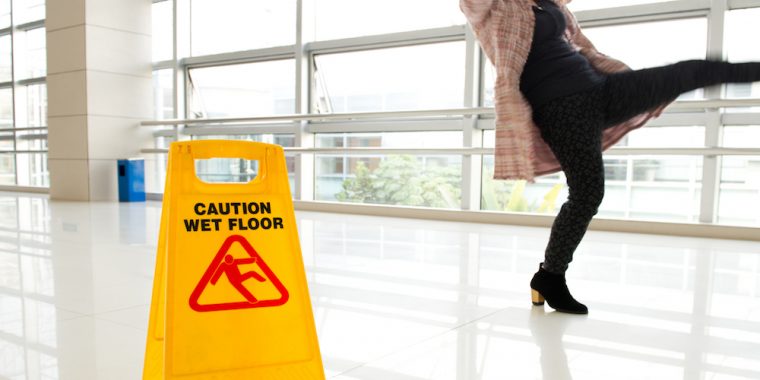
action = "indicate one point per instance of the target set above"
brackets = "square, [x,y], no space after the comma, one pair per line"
[536,297]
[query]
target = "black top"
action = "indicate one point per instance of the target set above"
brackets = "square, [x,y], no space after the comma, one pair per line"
[554,68]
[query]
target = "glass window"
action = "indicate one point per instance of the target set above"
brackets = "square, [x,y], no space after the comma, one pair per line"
[740,178]
[163,26]
[5,13]
[739,198]
[664,137]
[232,170]
[30,54]
[599,4]
[652,44]
[31,106]
[7,169]
[741,29]
[32,170]
[163,94]
[5,58]
[654,188]
[666,169]
[397,179]
[31,111]
[408,140]
[406,78]
[379,17]
[745,136]
[6,108]
[155,172]
[740,42]
[262,88]
[35,139]
[519,196]
[220,26]
[6,140]
[25,11]
[23,112]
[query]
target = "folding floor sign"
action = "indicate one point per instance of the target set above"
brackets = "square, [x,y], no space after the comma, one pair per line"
[230,299]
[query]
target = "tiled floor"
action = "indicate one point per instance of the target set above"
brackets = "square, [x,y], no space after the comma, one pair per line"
[393,299]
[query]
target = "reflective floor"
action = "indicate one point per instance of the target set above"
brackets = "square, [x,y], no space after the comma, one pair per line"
[393,298]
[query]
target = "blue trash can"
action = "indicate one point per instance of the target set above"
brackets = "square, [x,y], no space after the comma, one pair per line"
[132,180]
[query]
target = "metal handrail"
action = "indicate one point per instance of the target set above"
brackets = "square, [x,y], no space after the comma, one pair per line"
[679,105]
[23,151]
[331,116]
[622,151]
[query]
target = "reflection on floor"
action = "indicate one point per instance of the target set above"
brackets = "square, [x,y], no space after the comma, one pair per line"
[393,298]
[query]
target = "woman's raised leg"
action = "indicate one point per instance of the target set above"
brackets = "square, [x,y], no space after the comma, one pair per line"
[630,93]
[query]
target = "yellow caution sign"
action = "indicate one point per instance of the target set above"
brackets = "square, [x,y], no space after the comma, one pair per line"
[230,299]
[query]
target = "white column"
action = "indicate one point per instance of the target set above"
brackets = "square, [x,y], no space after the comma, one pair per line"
[99,89]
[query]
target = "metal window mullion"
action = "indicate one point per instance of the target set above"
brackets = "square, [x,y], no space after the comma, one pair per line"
[743,4]
[304,163]
[164,65]
[182,46]
[32,81]
[711,163]
[29,25]
[432,124]
[388,40]
[246,56]
[643,12]
[13,94]
[472,136]
[628,20]
[490,151]
[386,115]
[745,118]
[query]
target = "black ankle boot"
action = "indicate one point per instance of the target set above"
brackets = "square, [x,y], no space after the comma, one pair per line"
[553,288]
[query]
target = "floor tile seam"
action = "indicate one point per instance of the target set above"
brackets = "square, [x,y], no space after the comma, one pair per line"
[102,319]
[98,316]
[99,312]
[425,340]
[121,309]
[77,313]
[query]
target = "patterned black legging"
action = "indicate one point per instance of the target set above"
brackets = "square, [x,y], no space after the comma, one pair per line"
[572,127]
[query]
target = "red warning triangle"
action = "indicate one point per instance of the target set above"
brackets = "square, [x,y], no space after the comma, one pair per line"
[224,264]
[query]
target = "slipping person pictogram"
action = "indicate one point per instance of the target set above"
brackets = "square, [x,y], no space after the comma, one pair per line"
[224,263]
[230,266]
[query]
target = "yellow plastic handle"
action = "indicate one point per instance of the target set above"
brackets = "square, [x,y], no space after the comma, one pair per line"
[249,150]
